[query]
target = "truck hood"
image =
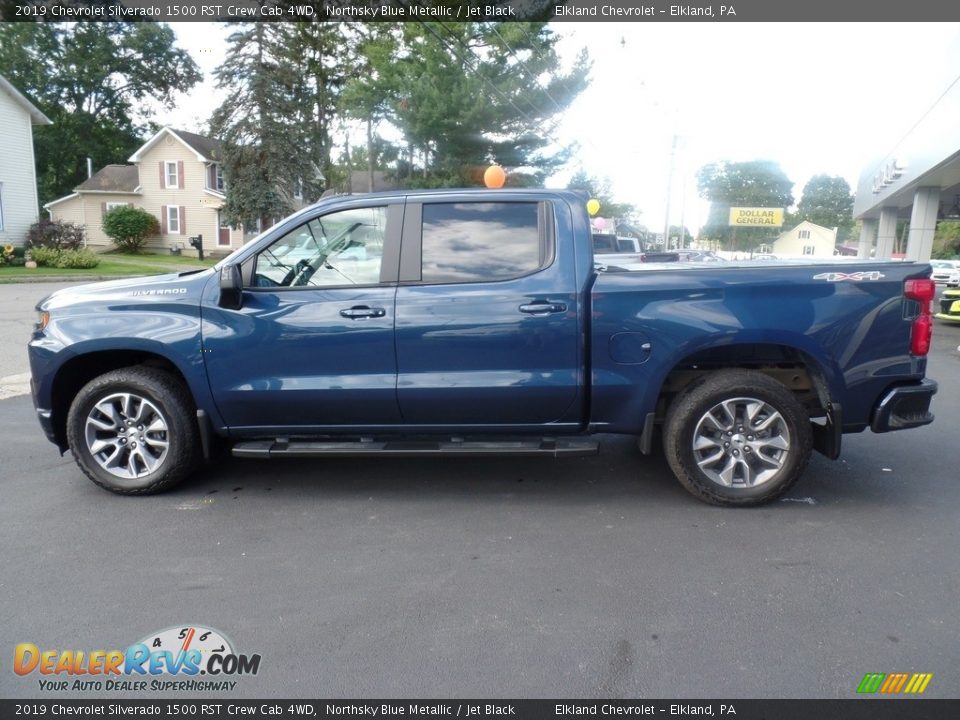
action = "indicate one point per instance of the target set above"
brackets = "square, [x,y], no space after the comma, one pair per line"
[183,287]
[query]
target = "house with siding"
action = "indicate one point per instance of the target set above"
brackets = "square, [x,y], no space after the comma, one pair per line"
[175,176]
[806,240]
[18,174]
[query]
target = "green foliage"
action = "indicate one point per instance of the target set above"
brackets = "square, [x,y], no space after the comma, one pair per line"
[78,259]
[468,94]
[828,202]
[92,80]
[265,123]
[599,188]
[463,95]
[946,240]
[130,227]
[756,183]
[8,255]
[56,234]
[45,256]
[52,257]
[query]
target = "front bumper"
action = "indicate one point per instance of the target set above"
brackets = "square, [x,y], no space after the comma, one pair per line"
[949,306]
[44,415]
[904,406]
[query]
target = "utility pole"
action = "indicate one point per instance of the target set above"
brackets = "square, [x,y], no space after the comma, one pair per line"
[666,219]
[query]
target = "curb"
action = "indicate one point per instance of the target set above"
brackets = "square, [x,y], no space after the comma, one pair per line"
[14,385]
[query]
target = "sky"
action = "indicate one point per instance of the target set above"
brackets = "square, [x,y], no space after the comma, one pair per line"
[815,97]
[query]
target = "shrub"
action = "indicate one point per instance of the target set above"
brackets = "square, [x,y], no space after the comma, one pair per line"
[48,257]
[55,234]
[45,256]
[78,259]
[129,227]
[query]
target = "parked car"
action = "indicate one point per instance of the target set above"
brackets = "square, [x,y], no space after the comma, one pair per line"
[949,306]
[946,272]
[465,322]
[698,256]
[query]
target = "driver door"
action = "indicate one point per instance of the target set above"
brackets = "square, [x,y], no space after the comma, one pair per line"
[313,344]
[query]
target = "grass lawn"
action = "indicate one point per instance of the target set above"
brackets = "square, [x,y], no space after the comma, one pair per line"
[112,265]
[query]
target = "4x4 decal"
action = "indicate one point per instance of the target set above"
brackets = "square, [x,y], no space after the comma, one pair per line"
[855,277]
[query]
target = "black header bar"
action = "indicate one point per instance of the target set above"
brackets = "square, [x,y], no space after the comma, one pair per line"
[208,708]
[854,11]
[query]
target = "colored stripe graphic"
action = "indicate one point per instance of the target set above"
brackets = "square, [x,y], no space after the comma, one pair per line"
[918,683]
[871,682]
[895,683]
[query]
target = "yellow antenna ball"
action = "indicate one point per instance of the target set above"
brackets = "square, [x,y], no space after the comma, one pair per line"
[593,206]
[494,177]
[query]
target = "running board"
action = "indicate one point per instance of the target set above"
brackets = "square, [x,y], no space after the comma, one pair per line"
[419,448]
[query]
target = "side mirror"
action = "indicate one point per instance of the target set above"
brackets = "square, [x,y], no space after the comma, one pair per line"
[231,288]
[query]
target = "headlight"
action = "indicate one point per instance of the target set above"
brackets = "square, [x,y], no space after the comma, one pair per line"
[42,319]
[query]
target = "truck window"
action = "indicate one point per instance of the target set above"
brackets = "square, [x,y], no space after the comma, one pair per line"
[335,250]
[480,242]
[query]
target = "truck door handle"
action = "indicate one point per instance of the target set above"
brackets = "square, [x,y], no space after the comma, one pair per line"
[543,308]
[362,311]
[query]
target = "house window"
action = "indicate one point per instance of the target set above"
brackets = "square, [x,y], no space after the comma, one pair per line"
[173,219]
[111,205]
[220,184]
[809,249]
[804,234]
[173,180]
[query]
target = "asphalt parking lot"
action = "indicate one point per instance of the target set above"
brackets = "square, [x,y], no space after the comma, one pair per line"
[504,578]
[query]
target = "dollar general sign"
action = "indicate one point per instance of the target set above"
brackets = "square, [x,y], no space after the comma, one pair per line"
[756,217]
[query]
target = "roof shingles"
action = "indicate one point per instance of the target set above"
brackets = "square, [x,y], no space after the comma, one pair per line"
[113,178]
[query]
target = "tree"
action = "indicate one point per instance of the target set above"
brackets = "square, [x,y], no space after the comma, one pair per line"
[469,94]
[92,81]
[946,240]
[371,90]
[321,56]
[130,227]
[756,183]
[828,202]
[599,189]
[265,124]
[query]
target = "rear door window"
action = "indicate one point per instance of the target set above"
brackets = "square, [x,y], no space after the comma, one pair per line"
[481,242]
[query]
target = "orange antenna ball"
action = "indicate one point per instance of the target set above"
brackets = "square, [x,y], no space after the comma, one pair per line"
[494,177]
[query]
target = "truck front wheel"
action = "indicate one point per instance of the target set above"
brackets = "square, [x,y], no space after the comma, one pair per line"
[737,437]
[131,431]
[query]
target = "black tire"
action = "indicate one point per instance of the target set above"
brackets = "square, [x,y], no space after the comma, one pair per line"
[159,399]
[720,469]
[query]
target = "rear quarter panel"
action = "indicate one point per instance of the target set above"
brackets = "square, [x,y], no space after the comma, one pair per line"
[856,332]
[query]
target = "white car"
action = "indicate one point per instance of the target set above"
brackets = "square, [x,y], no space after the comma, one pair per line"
[946,272]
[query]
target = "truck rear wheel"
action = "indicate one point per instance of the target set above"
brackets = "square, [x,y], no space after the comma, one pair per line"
[132,432]
[737,437]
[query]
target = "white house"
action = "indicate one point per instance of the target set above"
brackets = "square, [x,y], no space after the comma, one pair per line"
[806,240]
[18,174]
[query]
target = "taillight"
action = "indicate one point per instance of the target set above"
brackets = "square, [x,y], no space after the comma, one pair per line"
[922,290]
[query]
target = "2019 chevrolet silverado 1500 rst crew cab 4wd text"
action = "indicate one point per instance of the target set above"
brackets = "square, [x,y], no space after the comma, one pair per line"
[475,322]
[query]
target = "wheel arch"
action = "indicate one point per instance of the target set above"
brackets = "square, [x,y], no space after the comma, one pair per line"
[77,371]
[800,368]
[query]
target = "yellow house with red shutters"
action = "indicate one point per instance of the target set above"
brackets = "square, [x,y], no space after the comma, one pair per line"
[175,176]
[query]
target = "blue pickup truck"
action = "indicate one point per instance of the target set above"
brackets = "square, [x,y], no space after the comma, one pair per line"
[472,322]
